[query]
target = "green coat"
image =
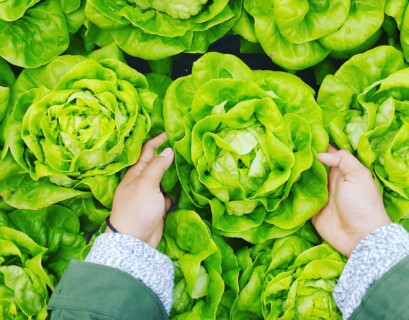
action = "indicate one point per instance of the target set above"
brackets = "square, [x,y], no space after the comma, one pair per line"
[388,298]
[92,291]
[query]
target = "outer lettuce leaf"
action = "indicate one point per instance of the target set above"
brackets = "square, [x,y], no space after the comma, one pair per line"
[396,25]
[32,33]
[297,35]
[19,190]
[74,11]
[7,79]
[309,21]
[24,283]
[245,27]
[396,9]
[251,279]
[365,111]
[91,236]
[163,66]
[159,84]
[404,34]
[157,29]
[245,144]
[199,285]
[363,21]
[75,124]
[230,275]
[80,44]
[90,212]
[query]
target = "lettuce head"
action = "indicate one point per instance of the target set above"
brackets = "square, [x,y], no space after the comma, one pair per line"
[289,278]
[55,228]
[297,35]
[158,29]
[74,125]
[365,107]
[246,145]
[33,32]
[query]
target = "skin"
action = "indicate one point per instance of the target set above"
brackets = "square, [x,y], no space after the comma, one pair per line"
[139,206]
[355,207]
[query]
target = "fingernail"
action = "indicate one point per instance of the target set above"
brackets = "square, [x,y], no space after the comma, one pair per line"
[166,152]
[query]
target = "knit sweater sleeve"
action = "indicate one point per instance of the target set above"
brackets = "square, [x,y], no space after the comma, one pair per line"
[373,257]
[138,259]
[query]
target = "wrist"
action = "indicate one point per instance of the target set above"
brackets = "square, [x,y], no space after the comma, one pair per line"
[136,258]
[150,238]
[374,256]
[376,224]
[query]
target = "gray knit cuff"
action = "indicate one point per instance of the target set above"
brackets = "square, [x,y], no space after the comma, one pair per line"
[375,255]
[138,259]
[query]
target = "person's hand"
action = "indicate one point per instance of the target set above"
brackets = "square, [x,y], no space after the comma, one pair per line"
[139,206]
[355,207]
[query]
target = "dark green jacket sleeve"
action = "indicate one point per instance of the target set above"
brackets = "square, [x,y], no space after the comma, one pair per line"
[92,291]
[388,298]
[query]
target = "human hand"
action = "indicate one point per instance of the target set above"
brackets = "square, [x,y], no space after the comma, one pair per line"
[139,206]
[355,207]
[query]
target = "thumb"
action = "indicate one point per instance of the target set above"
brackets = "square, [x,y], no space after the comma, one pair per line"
[343,160]
[156,168]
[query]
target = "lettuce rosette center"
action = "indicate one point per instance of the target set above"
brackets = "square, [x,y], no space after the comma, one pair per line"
[239,153]
[73,131]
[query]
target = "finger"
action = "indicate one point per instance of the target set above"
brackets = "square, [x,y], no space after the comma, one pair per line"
[314,219]
[331,149]
[333,178]
[147,153]
[168,203]
[334,172]
[319,221]
[343,160]
[154,171]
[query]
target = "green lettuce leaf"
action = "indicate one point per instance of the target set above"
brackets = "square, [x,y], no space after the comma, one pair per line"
[403,26]
[7,79]
[159,84]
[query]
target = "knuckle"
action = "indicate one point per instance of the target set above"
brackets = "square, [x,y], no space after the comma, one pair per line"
[143,181]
